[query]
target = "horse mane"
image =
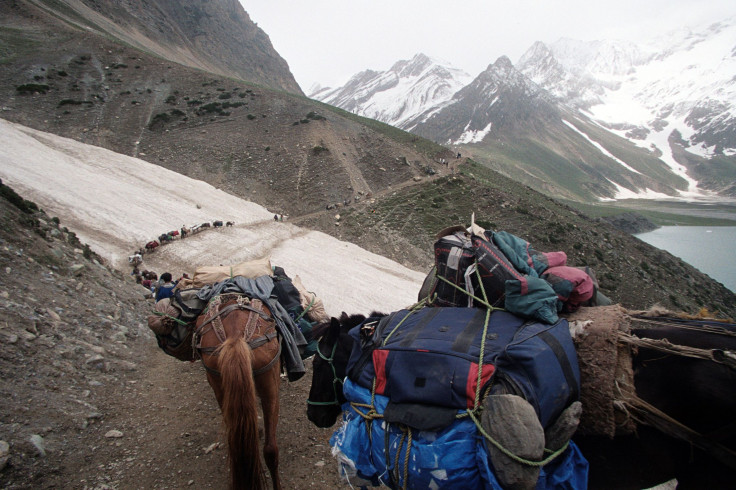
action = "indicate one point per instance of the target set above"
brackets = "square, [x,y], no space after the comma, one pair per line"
[319,330]
[345,323]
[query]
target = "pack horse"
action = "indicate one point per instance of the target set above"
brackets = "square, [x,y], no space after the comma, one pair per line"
[237,340]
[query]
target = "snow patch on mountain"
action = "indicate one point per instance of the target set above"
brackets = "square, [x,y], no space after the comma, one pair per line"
[683,81]
[624,193]
[601,149]
[471,136]
[398,96]
[116,203]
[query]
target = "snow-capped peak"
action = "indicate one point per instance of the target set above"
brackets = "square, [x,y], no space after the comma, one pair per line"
[400,94]
[683,80]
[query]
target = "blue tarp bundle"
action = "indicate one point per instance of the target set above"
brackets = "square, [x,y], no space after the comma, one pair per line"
[452,458]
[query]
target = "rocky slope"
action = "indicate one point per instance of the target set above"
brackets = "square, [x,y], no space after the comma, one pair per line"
[214,36]
[631,222]
[87,399]
[271,146]
[402,225]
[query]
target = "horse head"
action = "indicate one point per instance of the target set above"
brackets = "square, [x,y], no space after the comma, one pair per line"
[324,404]
[329,366]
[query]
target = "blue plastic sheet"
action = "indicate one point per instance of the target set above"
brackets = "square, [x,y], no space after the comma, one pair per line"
[453,458]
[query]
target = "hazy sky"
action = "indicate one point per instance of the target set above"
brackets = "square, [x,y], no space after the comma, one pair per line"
[328,41]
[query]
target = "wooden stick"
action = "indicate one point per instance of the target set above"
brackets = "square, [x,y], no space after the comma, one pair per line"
[649,414]
[664,345]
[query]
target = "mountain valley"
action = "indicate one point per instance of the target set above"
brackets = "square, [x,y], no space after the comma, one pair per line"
[583,121]
[77,360]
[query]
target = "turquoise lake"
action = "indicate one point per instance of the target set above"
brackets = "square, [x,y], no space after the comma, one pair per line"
[710,249]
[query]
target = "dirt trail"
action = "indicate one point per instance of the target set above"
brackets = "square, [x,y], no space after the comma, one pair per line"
[172,435]
[449,170]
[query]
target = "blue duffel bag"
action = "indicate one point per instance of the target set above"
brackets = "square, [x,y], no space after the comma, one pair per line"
[433,356]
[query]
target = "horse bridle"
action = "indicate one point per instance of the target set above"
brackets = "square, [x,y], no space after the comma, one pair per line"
[335,380]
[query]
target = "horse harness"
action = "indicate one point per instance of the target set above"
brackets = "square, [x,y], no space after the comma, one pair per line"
[335,379]
[258,320]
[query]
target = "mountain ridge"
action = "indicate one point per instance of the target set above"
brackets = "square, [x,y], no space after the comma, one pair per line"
[420,83]
[688,146]
[313,162]
[217,37]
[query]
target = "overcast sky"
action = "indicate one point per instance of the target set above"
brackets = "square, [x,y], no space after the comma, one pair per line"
[328,41]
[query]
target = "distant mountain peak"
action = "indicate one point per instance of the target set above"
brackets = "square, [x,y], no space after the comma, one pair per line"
[503,63]
[401,95]
[412,67]
[670,102]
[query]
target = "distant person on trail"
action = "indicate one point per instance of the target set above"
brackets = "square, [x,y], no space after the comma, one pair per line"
[165,289]
[275,217]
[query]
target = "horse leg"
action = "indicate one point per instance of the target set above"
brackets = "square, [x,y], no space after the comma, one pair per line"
[214,381]
[267,385]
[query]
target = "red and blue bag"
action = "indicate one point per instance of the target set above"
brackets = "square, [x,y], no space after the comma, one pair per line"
[433,356]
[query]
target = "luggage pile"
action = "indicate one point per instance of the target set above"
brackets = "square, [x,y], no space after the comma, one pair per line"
[499,269]
[174,319]
[464,390]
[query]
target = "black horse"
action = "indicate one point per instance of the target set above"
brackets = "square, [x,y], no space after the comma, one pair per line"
[324,404]
[686,370]
[698,392]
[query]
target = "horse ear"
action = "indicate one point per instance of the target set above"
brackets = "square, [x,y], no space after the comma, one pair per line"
[335,326]
[344,317]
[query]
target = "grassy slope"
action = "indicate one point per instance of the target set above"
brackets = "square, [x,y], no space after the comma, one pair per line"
[404,224]
[560,162]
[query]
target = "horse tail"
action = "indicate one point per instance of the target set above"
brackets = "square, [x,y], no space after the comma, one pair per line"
[240,414]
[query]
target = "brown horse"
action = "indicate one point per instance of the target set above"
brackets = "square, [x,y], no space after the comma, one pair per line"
[237,340]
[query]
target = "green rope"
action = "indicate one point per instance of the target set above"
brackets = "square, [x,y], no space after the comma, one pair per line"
[371,414]
[396,460]
[484,303]
[518,459]
[397,326]
[180,322]
[304,312]
[480,359]
[480,283]
[420,304]
[406,459]
[373,394]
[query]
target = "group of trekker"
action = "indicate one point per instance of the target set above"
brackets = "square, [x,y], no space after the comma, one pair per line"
[164,287]
[150,279]
[181,233]
[160,287]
